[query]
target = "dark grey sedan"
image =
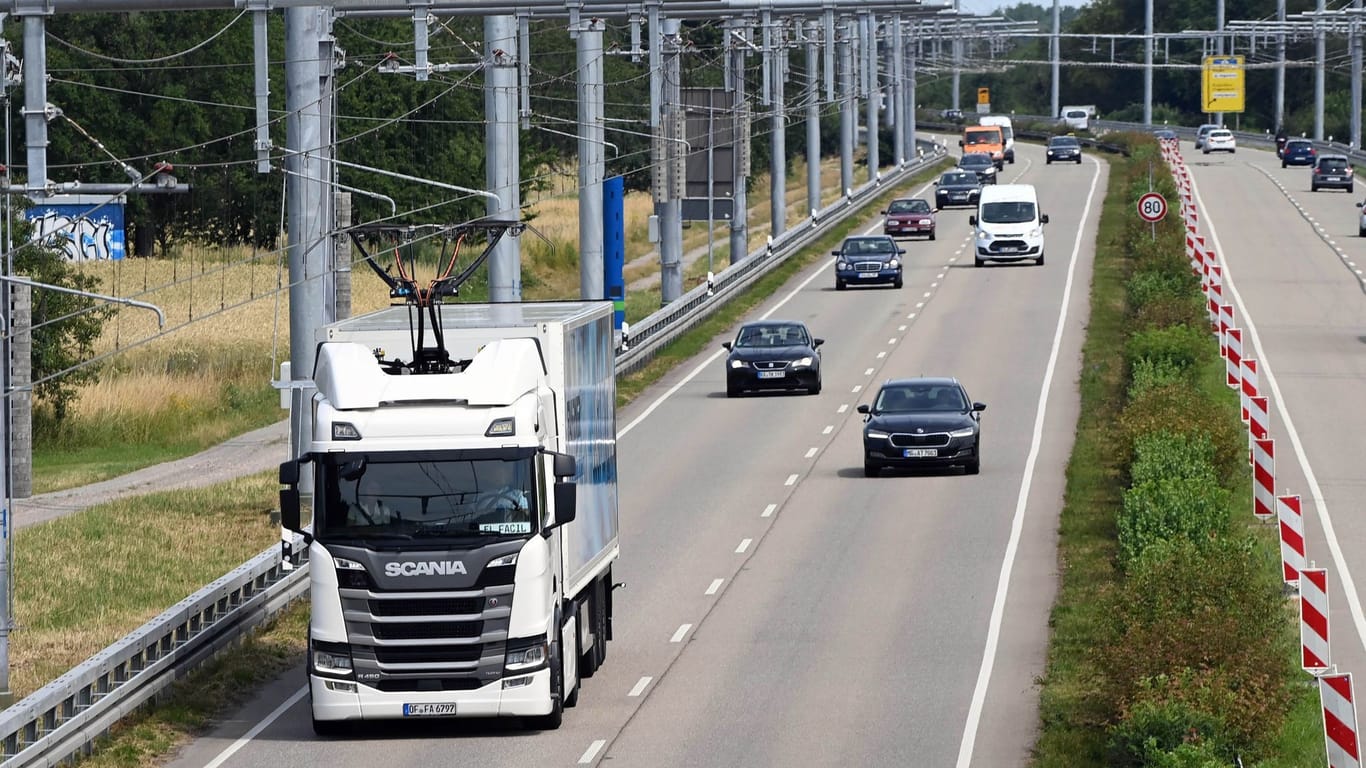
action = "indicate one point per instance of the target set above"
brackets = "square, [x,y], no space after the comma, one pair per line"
[1062,148]
[773,354]
[922,422]
[957,188]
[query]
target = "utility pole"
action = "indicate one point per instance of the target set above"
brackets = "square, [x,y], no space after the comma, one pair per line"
[897,89]
[1280,67]
[669,192]
[910,101]
[1056,50]
[502,170]
[870,90]
[846,97]
[1354,42]
[1148,62]
[813,121]
[592,164]
[1319,62]
[776,60]
[739,220]
[310,243]
[1218,45]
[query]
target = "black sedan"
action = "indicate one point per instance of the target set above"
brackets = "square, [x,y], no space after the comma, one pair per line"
[957,188]
[922,422]
[981,164]
[1062,148]
[773,354]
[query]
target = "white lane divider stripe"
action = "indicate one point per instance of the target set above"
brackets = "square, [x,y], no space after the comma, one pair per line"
[715,585]
[640,686]
[744,546]
[680,634]
[769,510]
[592,751]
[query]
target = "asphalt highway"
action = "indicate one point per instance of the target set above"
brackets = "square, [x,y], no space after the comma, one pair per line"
[782,609]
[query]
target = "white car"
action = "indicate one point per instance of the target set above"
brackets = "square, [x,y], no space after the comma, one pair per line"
[1219,140]
[1361,219]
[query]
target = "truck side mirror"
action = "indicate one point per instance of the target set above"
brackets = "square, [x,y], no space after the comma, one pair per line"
[1043,218]
[289,472]
[565,465]
[566,503]
[289,509]
[972,220]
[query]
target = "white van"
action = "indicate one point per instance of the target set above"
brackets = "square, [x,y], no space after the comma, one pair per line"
[1076,118]
[1008,224]
[1007,132]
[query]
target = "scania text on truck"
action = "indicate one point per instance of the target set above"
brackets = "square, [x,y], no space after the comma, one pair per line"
[464,511]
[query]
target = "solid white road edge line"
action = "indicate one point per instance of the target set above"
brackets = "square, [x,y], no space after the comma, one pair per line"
[256,729]
[1320,504]
[979,693]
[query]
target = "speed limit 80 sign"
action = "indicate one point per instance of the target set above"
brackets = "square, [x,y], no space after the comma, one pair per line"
[1152,207]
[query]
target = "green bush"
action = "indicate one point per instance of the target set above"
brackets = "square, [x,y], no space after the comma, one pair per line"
[1180,345]
[1166,311]
[1179,409]
[1163,732]
[1165,455]
[1147,374]
[1171,508]
[1209,623]
[1152,285]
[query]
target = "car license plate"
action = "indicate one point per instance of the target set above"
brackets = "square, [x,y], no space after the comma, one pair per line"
[919,453]
[429,710]
[866,275]
[772,374]
[1008,249]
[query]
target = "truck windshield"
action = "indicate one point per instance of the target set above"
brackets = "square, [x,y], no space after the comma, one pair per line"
[405,498]
[982,137]
[1007,213]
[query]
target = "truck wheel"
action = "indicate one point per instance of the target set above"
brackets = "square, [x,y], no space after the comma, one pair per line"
[597,617]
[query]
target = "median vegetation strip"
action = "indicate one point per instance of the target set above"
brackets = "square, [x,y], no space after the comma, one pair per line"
[1172,643]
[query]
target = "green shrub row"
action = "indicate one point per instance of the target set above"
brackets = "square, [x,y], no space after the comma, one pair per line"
[1196,657]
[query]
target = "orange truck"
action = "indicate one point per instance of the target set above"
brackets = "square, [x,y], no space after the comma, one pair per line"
[985,138]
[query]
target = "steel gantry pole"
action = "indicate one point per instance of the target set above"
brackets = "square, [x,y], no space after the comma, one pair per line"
[739,220]
[1055,48]
[1147,62]
[1320,54]
[846,97]
[591,161]
[870,90]
[777,62]
[309,239]
[502,167]
[35,103]
[1280,67]
[1354,40]
[910,102]
[898,90]
[813,120]
[957,64]
[669,149]
[1218,45]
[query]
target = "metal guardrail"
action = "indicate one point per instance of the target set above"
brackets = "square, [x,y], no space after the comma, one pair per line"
[61,721]
[652,333]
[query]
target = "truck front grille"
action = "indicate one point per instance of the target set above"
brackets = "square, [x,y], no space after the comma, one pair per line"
[428,630]
[428,654]
[444,606]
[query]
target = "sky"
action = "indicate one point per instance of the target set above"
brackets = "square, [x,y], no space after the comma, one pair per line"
[987,6]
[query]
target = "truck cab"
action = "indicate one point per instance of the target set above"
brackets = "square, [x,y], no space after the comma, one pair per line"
[985,138]
[1007,133]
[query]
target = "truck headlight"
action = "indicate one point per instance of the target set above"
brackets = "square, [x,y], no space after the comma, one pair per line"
[332,658]
[964,432]
[525,655]
[873,434]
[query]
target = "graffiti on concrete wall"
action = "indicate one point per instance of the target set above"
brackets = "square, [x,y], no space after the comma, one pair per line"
[82,230]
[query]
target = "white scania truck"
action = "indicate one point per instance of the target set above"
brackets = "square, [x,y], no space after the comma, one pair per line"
[464,511]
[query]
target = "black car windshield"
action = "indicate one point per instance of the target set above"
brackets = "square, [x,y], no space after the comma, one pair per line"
[771,336]
[958,179]
[919,398]
[1007,213]
[975,158]
[1063,141]
[373,497]
[855,246]
[909,206]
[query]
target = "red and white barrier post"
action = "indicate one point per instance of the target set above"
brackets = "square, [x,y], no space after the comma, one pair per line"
[1339,721]
[1258,418]
[1314,655]
[1292,538]
[1264,479]
[1248,372]
[1216,295]
[1225,323]
[1234,356]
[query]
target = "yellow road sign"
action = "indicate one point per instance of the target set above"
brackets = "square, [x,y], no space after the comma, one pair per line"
[983,95]
[1222,85]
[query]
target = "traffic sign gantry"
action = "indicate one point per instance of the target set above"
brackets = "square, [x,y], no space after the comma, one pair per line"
[1152,207]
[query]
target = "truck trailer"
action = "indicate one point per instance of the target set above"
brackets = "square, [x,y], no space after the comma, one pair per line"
[463,512]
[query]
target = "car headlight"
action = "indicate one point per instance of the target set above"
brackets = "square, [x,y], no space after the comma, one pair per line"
[841,265]
[1036,232]
[737,363]
[984,236]
[805,362]
[873,434]
[1050,151]
[893,263]
[964,432]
